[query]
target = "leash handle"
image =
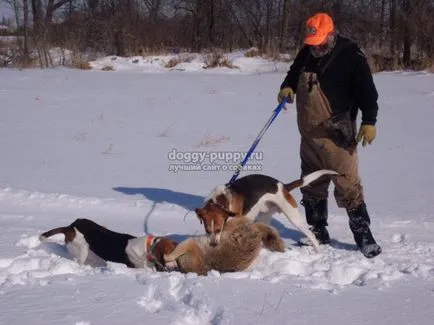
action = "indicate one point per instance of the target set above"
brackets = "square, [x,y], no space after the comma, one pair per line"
[258,138]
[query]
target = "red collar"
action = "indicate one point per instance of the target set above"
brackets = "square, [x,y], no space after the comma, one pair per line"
[150,241]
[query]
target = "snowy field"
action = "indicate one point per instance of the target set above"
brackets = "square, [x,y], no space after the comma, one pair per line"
[104,145]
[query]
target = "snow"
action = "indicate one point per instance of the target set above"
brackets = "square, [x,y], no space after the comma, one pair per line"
[191,62]
[8,38]
[97,144]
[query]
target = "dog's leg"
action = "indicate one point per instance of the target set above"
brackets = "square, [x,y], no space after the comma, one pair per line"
[296,219]
[181,249]
[236,203]
[263,210]
[189,256]
[265,217]
[294,216]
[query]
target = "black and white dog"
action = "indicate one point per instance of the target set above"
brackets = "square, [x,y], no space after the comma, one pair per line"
[92,244]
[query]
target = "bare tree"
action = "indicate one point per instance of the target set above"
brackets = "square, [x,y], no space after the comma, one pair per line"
[154,8]
[26,31]
[195,9]
[406,19]
[285,24]
[393,32]
[399,31]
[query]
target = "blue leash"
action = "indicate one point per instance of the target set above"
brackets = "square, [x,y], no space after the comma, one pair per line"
[258,138]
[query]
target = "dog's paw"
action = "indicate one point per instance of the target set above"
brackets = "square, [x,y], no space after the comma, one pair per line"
[171,266]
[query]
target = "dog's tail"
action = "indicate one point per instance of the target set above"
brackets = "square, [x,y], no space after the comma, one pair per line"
[306,180]
[52,232]
[270,238]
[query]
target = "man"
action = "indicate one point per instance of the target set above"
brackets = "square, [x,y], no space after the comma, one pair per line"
[332,81]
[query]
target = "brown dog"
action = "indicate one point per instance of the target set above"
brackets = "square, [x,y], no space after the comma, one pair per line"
[240,244]
[92,244]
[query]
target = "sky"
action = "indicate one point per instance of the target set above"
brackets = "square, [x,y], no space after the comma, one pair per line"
[5,10]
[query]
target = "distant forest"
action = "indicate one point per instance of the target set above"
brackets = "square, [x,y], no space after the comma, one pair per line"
[393,33]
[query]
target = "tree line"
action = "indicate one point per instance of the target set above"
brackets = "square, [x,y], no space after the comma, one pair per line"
[394,33]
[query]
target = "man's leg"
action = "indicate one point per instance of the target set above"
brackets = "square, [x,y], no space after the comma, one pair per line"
[316,216]
[349,195]
[314,195]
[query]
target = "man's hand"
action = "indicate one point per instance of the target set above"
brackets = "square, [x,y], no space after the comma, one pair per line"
[367,132]
[286,92]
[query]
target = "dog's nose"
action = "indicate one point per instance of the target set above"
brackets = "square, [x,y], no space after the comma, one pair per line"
[213,243]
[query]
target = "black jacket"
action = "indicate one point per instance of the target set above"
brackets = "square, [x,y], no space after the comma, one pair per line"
[347,81]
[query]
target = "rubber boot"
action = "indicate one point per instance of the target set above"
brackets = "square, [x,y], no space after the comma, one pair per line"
[316,216]
[359,224]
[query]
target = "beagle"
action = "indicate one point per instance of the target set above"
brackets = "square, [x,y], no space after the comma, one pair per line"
[256,197]
[92,244]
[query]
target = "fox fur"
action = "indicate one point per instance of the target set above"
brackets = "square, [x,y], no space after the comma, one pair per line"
[241,242]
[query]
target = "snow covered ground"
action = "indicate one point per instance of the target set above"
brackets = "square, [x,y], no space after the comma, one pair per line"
[193,62]
[105,145]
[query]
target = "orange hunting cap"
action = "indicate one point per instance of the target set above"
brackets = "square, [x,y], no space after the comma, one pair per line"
[318,27]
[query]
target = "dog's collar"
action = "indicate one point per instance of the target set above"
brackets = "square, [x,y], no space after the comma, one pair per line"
[150,244]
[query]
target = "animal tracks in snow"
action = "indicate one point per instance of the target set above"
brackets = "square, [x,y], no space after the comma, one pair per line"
[151,301]
[177,294]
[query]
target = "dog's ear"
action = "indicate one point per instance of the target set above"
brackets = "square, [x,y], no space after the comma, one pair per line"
[230,213]
[227,211]
[200,212]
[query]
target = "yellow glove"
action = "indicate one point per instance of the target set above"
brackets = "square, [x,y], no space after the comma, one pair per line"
[367,132]
[286,92]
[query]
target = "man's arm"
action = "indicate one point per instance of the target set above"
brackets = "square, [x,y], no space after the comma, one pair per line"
[291,79]
[365,92]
